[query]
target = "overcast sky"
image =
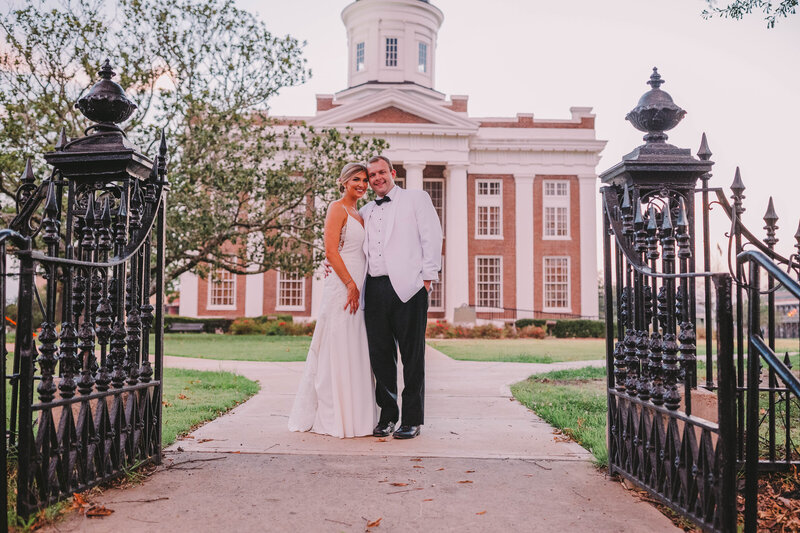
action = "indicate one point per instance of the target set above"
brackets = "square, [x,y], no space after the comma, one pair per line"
[738,80]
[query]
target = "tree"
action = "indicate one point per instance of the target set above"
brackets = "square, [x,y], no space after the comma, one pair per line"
[247,192]
[739,8]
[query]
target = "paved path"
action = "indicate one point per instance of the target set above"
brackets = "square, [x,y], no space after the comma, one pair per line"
[482,463]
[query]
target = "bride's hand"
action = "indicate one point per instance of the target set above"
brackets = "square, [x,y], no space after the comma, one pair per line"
[353,296]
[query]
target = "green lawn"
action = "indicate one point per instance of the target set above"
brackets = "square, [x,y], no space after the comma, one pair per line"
[521,350]
[238,347]
[573,401]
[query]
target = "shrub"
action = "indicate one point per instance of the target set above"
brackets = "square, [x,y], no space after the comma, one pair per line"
[579,328]
[245,326]
[438,330]
[487,331]
[531,332]
[525,322]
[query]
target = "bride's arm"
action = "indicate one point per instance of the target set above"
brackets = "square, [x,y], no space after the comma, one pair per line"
[334,222]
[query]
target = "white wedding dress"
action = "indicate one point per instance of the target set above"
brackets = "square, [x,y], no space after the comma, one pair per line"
[337,392]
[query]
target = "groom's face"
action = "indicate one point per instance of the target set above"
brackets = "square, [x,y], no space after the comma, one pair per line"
[381,179]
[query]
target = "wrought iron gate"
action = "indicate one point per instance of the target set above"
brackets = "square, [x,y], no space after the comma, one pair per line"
[690,463]
[90,238]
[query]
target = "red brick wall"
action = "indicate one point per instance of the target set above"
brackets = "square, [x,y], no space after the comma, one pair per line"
[325,103]
[586,123]
[504,247]
[570,248]
[392,115]
[271,296]
[202,299]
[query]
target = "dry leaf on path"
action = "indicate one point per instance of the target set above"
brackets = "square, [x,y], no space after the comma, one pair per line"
[469,471]
[416,459]
[204,440]
[98,510]
[78,500]
[418,466]
[482,512]
[375,523]
[428,500]
[465,481]
[397,484]
[439,469]
[381,440]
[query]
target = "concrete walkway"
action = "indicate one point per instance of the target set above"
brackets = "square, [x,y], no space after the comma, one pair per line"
[483,462]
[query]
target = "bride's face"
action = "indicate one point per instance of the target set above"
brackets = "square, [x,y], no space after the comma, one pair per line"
[357,185]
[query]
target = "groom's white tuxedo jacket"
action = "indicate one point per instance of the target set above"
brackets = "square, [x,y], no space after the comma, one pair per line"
[413,241]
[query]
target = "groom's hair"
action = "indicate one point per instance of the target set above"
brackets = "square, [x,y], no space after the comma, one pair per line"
[376,158]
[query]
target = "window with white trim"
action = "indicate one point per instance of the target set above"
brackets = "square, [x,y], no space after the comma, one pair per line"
[435,189]
[422,60]
[556,284]
[391,51]
[489,209]
[221,289]
[400,182]
[359,57]
[291,292]
[556,209]
[489,281]
[436,302]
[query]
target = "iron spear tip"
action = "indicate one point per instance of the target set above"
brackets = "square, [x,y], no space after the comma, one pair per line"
[27,174]
[704,152]
[738,185]
[770,217]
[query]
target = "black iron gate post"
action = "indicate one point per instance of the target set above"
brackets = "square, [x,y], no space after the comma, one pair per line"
[101,217]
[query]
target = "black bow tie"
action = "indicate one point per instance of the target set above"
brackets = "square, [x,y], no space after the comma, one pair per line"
[379,201]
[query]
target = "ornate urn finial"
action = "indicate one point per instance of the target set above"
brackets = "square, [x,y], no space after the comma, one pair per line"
[106,102]
[655,112]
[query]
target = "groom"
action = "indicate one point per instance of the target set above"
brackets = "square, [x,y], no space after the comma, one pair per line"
[404,253]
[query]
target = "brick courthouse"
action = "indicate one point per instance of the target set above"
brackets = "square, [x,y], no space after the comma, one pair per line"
[516,195]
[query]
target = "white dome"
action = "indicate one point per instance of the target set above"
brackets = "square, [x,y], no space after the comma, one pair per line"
[391,41]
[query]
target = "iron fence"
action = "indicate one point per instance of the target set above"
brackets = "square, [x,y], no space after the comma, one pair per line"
[91,235]
[687,462]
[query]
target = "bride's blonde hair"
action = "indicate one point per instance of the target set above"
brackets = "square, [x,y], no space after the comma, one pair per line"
[350,170]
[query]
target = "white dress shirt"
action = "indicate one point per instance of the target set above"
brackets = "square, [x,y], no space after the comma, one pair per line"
[376,227]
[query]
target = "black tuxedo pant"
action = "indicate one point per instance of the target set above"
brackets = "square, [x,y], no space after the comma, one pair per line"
[392,324]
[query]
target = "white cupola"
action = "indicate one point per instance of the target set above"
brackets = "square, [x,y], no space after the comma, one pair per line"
[391,41]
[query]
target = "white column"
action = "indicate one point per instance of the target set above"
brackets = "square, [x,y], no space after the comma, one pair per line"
[414,174]
[524,237]
[589,269]
[254,295]
[456,285]
[188,288]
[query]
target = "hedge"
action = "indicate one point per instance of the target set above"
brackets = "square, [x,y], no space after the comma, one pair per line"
[578,328]
[525,322]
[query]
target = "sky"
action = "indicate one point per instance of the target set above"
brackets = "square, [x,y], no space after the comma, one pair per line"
[738,81]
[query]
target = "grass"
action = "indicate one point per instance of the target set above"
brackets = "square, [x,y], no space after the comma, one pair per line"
[573,401]
[521,350]
[191,397]
[236,347]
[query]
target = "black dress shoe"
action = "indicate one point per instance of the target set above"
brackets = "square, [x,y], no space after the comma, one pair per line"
[383,429]
[406,432]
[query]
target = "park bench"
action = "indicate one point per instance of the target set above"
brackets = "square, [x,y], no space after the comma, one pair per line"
[187,327]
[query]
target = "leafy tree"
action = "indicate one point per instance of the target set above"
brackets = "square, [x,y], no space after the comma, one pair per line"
[739,8]
[246,189]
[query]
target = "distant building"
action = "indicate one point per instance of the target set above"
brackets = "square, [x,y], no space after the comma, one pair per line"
[787,315]
[516,195]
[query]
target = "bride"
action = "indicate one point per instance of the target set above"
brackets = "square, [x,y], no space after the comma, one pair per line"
[337,394]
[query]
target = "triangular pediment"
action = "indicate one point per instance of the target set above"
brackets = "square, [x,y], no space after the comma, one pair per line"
[395,109]
[392,115]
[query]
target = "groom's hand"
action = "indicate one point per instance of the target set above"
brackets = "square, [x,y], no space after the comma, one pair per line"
[427,283]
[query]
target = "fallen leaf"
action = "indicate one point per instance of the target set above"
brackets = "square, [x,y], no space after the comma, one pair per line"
[399,484]
[204,440]
[418,466]
[98,510]
[182,396]
[381,440]
[469,471]
[465,481]
[417,459]
[440,469]
[482,512]
[428,500]
[375,523]
[78,499]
